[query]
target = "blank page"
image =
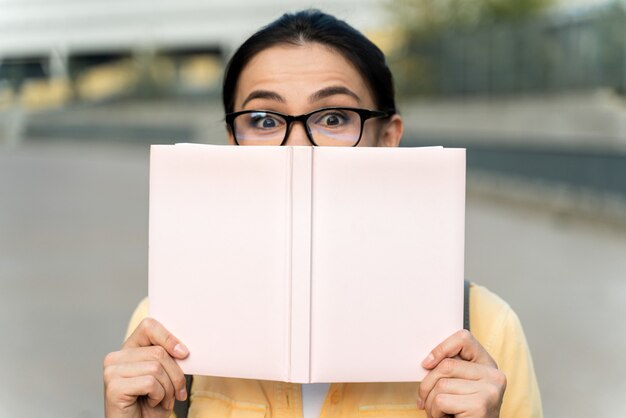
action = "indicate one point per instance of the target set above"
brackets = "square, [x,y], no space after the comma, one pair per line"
[387,260]
[219,256]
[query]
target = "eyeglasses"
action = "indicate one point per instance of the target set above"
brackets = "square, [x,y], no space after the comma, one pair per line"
[329,126]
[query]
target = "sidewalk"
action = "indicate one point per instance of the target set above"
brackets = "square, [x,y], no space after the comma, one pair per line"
[73,264]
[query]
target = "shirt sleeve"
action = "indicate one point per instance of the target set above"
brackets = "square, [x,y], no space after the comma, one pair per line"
[504,339]
[141,311]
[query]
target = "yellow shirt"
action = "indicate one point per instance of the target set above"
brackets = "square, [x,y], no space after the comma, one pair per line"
[492,322]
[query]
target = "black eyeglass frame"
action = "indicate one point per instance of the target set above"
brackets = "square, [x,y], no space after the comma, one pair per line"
[364,115]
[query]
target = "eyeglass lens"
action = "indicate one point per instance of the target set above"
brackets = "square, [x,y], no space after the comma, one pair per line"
[330,127]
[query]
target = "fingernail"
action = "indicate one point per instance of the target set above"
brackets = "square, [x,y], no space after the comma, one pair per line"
[182,394]
[428,360]
[181,350]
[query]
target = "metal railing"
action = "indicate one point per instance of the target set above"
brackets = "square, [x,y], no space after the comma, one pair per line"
[550,54]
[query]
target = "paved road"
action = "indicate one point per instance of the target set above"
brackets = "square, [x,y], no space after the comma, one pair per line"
[73,257]
[566,279]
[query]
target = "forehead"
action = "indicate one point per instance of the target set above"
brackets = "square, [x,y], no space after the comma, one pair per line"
[296,72]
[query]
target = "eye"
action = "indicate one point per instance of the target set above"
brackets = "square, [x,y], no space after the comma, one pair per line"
[262,120]
[331,119]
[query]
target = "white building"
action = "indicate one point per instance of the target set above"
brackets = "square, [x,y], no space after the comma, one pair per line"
[45,27]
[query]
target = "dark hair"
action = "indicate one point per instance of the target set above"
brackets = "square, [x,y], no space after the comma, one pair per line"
[315,26]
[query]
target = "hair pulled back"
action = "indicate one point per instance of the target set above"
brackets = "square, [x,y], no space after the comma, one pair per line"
[317,27]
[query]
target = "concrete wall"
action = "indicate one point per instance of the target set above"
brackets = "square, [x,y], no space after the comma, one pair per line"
[585,121]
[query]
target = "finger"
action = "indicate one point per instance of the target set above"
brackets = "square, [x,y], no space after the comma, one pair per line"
[151,332]
[458,386]
[445,404]
[452,387]
[131,388]
[450,368]
[153,353]
[461,344]
[145,368]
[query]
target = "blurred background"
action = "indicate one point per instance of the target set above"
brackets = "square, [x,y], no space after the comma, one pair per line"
[534,89]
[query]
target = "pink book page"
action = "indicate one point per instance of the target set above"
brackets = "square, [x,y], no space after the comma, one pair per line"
[387,260]
[219,270]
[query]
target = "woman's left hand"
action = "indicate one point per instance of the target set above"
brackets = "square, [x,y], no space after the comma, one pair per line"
[463,381]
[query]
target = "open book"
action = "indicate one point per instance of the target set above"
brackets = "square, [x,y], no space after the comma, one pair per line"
[307,264]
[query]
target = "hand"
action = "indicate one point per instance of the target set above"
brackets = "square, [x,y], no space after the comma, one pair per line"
[464,381]
[142,379]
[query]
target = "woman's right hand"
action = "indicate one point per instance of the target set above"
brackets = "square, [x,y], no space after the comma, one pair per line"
[142,379]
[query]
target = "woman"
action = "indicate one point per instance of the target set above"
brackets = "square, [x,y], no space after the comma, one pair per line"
[339,88]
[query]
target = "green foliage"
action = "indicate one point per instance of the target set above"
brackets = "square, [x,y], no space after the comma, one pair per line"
[425,23]
[423,19]
[421,16]
[510,10]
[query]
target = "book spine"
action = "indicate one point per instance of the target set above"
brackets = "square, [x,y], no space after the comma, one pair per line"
[301,264]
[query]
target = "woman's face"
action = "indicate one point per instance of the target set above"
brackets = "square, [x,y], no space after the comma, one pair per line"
[295,80]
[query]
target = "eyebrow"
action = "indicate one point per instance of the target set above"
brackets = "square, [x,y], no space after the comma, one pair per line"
[263,94]
[333,91]
[318,95]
